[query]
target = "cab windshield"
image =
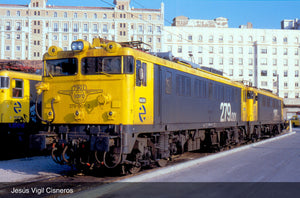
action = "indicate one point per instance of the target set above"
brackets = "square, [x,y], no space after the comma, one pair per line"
[98,65]
[107,65]
[4,82]
[61,67]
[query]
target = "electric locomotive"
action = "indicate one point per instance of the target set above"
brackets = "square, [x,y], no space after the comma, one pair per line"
[110,105]
[17,111]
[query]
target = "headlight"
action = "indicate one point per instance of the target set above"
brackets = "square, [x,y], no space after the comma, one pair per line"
[77,46]
[74,46]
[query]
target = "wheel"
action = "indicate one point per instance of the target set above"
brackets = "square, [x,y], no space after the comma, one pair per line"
[133,169]
[162,162]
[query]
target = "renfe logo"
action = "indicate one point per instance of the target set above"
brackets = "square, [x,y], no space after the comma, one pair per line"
[17,107]
[142,113]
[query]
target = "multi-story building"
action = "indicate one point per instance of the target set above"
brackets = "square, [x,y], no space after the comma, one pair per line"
[27,31]
[267,58]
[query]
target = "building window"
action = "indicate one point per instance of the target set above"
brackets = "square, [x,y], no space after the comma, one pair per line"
[221,61]
[297,62]
[250,72]
[105,30]
[221,50]
[55,38]
[190,49]
[240,50]
[169,37]
[286,85]
[200,49]
[95,16]
[231,61]
[250,39]
[85,15]
[7,48]
[7,36]
[104,16]
[85,27]
[250,50]
[285,62]
[264,73]
[180,37]
[297,73]
[95,28]
[75,27]
[55,14]
[262,39]
[296,95]
[18,13]
[296,84]
[200,60]
[274,62]
[211,49]
[211,38]
[250,61]
[230,72]
[140,28]
[65,38]
[211,61]
[274,39]
[240,38]
[264,83]
[190,38]
[264,51]
[274,51]
[55,27]
[274,73]
[158,28]
[221,39]
[18,36]
[285,40]
[231,50]
[65,15]
[18,48]
[285,51]
[286,95]
[65,27]
[75,15]
[240,61]
[200,38]
[263,61]
[285,73]
[241,72]
[7,13]
[179,49]
[149,28]
[7,26]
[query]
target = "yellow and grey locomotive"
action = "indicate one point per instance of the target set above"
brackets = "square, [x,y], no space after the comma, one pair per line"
[108,104]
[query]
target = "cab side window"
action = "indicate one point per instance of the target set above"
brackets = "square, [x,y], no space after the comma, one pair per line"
[141,73]
[18,89]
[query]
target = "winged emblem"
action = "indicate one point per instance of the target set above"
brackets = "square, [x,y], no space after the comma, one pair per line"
[79,93]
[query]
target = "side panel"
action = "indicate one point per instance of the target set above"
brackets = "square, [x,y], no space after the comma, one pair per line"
[269,109]
[183,99]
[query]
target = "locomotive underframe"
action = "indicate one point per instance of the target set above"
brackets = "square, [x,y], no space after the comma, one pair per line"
[133,147]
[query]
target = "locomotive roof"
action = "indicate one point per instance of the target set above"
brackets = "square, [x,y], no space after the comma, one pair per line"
[20,75]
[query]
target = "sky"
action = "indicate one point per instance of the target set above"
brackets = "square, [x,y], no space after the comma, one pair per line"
[262,14]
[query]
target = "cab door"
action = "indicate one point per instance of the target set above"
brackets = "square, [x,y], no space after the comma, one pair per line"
[143,97]
[20,101]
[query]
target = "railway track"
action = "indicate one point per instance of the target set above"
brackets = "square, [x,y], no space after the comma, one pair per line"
[70,182]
